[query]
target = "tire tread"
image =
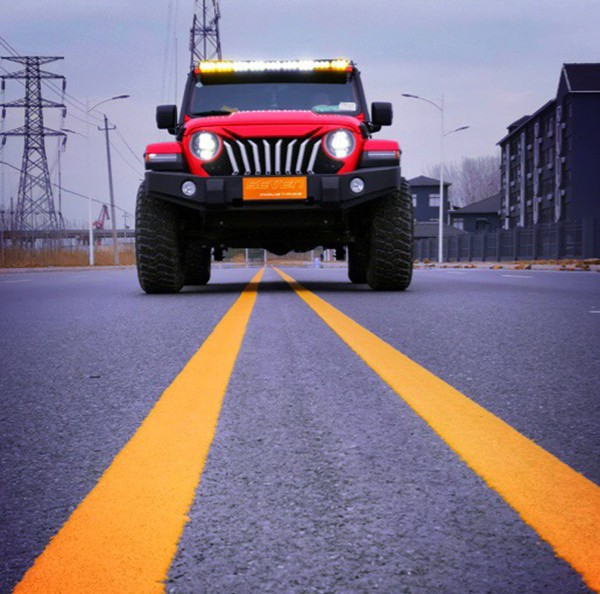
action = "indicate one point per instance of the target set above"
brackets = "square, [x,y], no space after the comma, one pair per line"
[157,250]
[391,242]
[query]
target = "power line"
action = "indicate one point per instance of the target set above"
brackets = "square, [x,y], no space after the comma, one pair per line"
[94,200]
[175,69]
[73,105]
[135,155]
[67,97]
[132,167]
[70,115]
[6,71]
[79,106]
[71,191]
[166,61]
[8,47]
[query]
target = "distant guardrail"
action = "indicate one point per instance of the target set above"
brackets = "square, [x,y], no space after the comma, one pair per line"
[14,235]
[548,241]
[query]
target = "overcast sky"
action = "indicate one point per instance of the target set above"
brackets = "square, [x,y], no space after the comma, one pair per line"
[493,60]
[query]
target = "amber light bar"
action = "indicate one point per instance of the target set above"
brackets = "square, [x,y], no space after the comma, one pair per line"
[216,66]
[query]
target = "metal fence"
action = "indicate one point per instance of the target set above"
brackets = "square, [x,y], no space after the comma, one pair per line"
[540,242]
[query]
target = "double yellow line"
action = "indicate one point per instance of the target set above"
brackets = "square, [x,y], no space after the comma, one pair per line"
[123,536]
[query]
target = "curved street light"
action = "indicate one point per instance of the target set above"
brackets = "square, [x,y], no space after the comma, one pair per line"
[443,134]
[107,100]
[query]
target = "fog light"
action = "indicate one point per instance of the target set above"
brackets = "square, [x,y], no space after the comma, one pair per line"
[357,185]
[188,188]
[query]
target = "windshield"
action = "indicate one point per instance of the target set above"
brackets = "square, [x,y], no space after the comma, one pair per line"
[317,97]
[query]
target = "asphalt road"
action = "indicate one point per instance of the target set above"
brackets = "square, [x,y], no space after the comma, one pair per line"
[319,478]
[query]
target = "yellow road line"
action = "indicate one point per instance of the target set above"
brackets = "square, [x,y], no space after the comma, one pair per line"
[123,536]
[560,504]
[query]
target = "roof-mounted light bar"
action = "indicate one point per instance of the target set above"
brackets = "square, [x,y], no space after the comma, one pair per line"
[217,66]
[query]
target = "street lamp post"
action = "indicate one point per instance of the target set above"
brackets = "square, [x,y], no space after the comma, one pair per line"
[113,217]
[443,134]
[441,211]
[90,225]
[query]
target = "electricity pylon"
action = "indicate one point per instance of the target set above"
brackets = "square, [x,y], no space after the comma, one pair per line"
[35,209]
[205,42]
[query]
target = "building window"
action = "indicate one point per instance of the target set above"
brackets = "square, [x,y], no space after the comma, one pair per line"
[481,224]
[529,136]
[548,156]
[458,223]
[547,186]
[414,200]
[549,126]
[434,200]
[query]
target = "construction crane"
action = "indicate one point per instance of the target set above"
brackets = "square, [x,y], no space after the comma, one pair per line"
[102,218]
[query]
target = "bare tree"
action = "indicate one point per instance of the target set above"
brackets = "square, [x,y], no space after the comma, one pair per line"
[472,179]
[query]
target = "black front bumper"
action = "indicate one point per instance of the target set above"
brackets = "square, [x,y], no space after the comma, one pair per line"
[324,191]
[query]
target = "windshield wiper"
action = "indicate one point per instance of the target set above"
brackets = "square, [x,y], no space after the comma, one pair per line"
[213,112]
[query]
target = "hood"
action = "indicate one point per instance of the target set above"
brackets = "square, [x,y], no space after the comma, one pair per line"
[253,123]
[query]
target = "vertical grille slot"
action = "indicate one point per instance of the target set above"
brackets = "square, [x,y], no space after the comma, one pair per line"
[278,157]
[244,158]
[257,167]
[313,157]
[272,156]
[235,170]
[267,157]
[301,156]
[288,157]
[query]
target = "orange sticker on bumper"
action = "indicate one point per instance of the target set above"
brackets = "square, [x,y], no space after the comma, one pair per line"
[274,188]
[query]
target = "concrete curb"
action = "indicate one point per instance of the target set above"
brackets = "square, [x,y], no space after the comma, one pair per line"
[61,269]
[570,267]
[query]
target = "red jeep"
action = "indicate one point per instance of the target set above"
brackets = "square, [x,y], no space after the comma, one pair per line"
[275,155]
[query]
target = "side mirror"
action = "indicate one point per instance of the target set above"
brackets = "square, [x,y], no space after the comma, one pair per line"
[166,117]
[382,113]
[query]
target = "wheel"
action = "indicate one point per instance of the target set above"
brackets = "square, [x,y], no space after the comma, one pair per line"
[357,263]
[196,263]
[390,259]
[157,246]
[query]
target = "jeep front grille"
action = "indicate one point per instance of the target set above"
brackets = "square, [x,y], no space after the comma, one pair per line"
[272,156]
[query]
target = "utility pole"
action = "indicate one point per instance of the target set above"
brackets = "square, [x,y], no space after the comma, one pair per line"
[205,41]
[35,209]
[441,206]
[2,227]
[113,218]
[106,129]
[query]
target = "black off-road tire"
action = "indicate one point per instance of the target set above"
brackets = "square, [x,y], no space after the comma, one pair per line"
[357,263]
[196,263]
[157,244]
[391,242]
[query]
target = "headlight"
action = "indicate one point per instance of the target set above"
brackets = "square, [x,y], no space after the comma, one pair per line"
[339,144]
[205,145]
